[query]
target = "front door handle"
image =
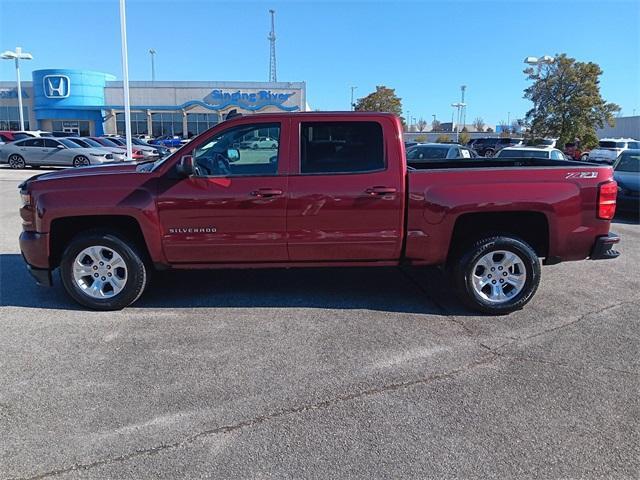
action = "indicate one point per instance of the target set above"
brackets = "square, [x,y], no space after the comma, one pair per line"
[380,191]
[267,192]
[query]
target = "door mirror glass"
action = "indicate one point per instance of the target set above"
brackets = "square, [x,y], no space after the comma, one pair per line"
[59,146]
[233,154]
[186,167]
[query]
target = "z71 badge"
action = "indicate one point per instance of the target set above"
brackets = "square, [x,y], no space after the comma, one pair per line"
[582,175]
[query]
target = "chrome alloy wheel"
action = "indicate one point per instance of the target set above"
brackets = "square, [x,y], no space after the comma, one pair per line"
[16,161]
[99,272]
[498,276]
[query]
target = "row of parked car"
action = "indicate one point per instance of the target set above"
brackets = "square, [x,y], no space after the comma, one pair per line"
[626,163]
[40,148]
[607,150]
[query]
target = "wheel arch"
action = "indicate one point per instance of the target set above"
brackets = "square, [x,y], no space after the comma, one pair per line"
[532,227]
[64,229]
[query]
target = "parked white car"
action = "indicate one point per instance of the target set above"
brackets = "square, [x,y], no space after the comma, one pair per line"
[118,154]
[608,149]
[259,142]
[50,151]
[543,153]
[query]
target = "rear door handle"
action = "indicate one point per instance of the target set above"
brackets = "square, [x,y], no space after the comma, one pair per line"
[379,191]
[266,192]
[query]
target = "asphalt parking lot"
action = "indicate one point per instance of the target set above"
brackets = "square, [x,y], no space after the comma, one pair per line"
[320,374]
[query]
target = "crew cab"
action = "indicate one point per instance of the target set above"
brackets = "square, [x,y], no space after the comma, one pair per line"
[337,191]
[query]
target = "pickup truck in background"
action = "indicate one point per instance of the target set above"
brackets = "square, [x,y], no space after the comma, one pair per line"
[335,190]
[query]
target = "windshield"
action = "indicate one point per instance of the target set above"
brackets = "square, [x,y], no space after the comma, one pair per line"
[68,143]
[427,153]
[108,142]
[523,154]
[80,142]
[117,141]
[92,143]
[628,162]
[610,144]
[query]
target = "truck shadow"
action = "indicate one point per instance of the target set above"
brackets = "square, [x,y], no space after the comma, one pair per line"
[407,290]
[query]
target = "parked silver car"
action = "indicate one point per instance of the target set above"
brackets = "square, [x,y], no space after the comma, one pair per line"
[51,151]
[148,151]
[118,154]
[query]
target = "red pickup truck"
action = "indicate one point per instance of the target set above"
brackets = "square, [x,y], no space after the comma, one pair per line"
[334,189]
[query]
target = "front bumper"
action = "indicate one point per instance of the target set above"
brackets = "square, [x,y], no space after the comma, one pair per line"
[603,248]
[42,276]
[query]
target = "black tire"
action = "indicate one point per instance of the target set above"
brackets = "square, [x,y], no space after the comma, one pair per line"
[16,161]
[81,161]
[137,275]
[488,153]
[462,273]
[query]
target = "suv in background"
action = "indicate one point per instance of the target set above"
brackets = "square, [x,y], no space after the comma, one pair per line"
[608,149]
[489,146]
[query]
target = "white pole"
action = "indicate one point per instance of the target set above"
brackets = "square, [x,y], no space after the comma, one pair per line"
[18,53]
[125,79]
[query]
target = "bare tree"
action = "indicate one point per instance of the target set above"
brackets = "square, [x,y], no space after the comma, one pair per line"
[436,126]
[478,124]
[422,124]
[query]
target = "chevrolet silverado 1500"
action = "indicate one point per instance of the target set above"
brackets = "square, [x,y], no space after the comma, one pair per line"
[334,189]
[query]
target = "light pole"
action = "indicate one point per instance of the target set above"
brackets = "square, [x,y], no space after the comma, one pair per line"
[152,52]
[352,105]
[17,56]
[458,106]
[125,79]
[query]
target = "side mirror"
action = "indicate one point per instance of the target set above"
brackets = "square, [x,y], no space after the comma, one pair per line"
[186,166]
[60,146]
[233,154]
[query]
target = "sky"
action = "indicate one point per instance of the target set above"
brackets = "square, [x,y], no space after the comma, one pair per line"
[424,50]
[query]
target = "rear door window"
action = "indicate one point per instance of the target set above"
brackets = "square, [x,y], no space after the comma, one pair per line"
[341,147]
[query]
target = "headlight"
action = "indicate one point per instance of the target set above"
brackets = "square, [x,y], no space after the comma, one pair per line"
[97,154]
[26,198]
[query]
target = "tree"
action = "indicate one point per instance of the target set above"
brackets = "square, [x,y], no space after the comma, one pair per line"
[436,126]
[422,124]
[505,129]
[443,139]
[478,124]
[420,138]
[382,100]
[566,101]
[489,130]
[464,138]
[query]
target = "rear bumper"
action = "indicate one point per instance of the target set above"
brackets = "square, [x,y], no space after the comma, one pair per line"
[603,248]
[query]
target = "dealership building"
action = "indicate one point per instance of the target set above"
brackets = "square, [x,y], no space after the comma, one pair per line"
[91,103]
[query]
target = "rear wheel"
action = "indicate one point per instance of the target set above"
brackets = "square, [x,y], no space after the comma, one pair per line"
[497,275]
[81,161]
[584,157]
[101,271]
[488,153]
[16,161]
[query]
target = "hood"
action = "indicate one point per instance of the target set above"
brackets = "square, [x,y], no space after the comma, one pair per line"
[119,168]
[628,180]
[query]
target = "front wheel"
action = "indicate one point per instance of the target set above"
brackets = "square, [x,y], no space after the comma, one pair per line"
[101,271]
[584,157]
[81,161]
[497,275]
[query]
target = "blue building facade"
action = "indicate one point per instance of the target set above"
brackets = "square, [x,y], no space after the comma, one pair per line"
[91,103]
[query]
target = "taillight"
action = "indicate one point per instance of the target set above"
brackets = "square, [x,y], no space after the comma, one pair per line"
[607,193]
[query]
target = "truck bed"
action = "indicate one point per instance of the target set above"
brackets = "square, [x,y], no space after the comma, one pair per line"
[559,196]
